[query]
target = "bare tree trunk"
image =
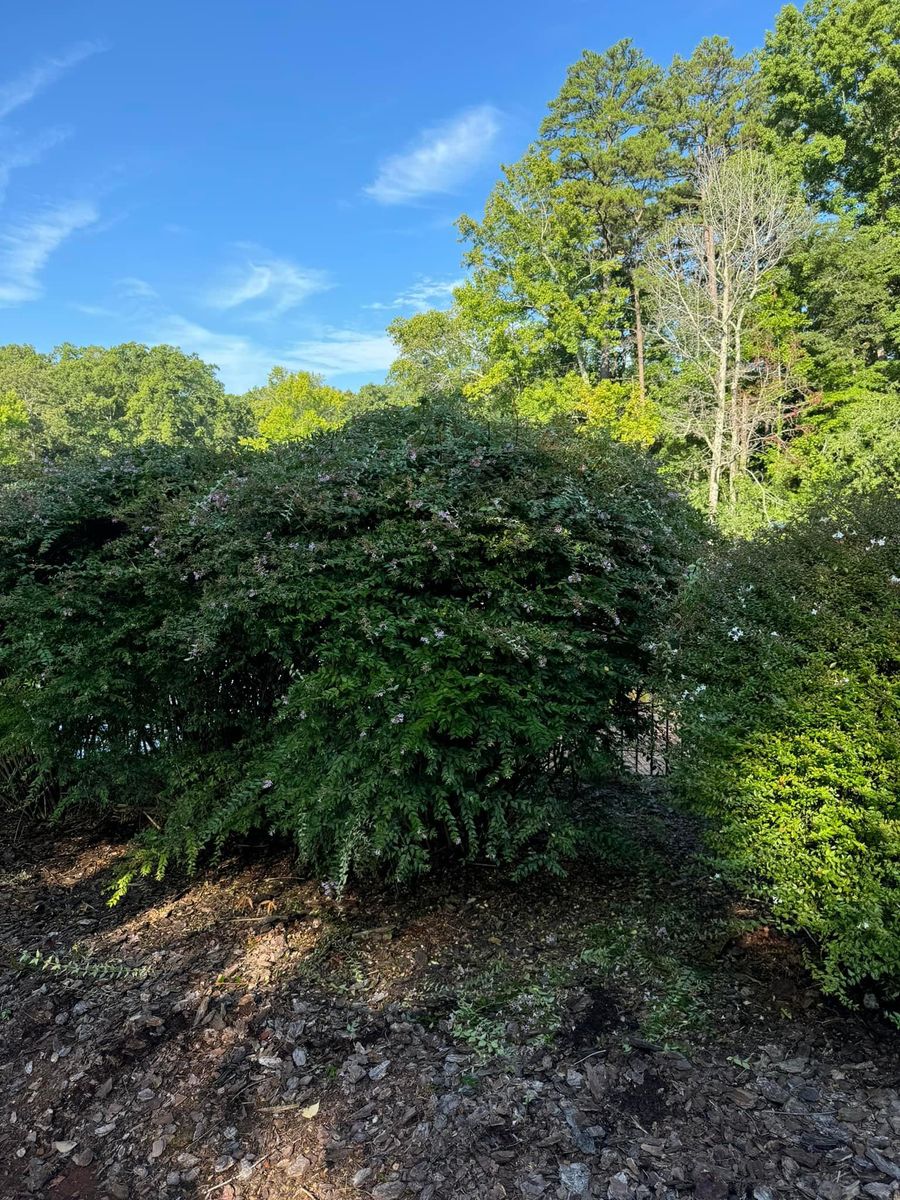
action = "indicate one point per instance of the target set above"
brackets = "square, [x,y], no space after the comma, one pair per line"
[746,431]
[711,273]
[639,340]
[582,369]
[738,431]
[718,439]
[719,305]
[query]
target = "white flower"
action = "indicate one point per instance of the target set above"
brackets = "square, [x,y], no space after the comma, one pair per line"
[398,719]
[895,579]
[439,634]
[735,634]
[838,537]
[878,541]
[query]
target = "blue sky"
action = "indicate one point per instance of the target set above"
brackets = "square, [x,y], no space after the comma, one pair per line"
[268,181]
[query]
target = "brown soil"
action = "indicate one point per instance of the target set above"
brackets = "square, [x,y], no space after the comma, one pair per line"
[621,1033]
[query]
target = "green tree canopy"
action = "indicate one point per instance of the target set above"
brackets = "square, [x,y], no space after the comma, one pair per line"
[438,355]
[295,404]
[92,399]
[831,78]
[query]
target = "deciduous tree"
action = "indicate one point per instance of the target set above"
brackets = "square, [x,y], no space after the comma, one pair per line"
[703,277]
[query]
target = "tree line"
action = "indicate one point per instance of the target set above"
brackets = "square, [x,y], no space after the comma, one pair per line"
[704,257]
[89,400]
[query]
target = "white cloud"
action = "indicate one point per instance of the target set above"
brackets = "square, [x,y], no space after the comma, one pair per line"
[441,158]
[425,293]
[26,247]
[244,362]
[25,155]
[27,85]
[266,286]
[136,289]
[343,352]
[96,310]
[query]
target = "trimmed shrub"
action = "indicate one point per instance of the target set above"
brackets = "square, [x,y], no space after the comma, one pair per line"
[790,653]
[408,634]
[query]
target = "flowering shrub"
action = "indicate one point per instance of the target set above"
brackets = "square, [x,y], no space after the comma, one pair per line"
[404,636]
[790,648]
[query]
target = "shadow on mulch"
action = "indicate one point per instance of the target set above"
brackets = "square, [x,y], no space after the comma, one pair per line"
[247,963]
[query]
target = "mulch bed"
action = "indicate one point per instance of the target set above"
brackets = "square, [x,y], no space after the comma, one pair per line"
[245,1034]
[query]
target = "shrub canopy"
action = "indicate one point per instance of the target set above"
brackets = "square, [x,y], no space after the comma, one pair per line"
[408,633]
[790,653]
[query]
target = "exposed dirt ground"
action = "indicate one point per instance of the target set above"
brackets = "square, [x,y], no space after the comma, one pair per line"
[627,1032]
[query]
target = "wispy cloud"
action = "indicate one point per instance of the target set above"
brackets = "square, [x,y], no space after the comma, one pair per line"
[26,154]
[244,362]
[96,310]
[338,352]
[27,85]
[26,247]
[133,288]
[424,294]
[244,359]
[441,158]
[265,286]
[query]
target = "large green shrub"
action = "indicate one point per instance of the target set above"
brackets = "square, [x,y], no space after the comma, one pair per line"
[409,633]
[790,653]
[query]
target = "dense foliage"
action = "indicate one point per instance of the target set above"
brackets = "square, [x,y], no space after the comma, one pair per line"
[409,633]
[91,399]
[405,618]
[790,653]
[94,400]
[762,191]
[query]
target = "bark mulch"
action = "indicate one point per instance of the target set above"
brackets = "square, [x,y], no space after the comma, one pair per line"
[633,1031]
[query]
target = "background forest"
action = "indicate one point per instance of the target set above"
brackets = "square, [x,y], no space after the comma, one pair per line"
[654,444]
[703,258]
